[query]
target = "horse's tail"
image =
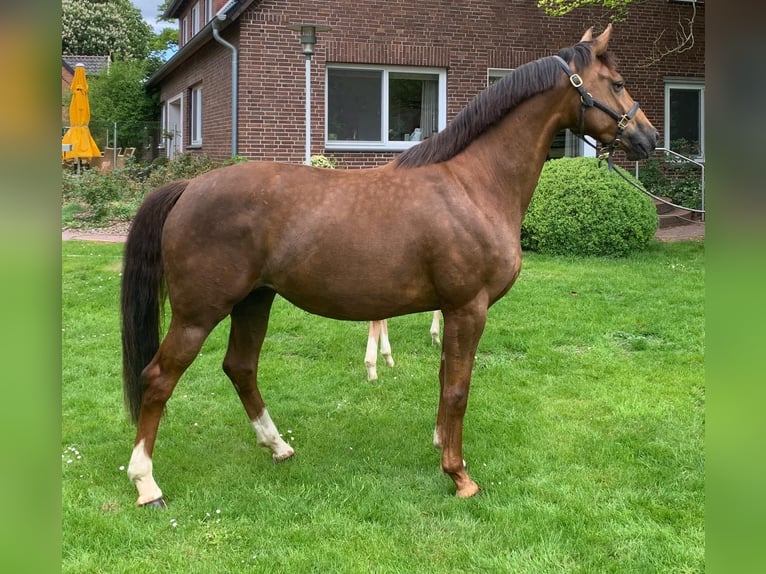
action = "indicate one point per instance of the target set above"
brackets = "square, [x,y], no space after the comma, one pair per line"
[143,292]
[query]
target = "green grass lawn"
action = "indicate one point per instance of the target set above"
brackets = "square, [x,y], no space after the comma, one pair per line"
[585,430]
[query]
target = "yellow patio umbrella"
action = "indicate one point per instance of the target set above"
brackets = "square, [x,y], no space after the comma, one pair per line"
[78,134]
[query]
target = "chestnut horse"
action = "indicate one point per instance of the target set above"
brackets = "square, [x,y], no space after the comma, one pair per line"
[378,332]
[437,228]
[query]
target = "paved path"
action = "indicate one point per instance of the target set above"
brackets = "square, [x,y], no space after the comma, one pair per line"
[68,234]
[693,231]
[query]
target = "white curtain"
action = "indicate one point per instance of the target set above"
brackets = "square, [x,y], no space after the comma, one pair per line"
[429,104]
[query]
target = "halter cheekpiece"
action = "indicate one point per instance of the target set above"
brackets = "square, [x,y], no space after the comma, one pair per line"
[588,101]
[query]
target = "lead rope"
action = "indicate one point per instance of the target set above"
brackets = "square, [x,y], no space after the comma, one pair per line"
[619,171]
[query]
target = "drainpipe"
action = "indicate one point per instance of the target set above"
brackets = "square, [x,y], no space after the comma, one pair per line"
[220,17]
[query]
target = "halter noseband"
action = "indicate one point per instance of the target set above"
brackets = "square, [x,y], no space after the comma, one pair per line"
[589,101]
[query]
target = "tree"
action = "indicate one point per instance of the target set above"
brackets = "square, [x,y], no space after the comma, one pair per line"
[104,27]
[163,45]
[164,5]
[119,96]
[619,8]
[683,34]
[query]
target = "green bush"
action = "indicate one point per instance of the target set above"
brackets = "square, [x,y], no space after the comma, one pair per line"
[97,198]
[323,161]
[582,208]
[679,181]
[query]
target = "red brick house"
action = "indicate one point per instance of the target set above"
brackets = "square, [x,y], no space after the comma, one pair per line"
[391,72]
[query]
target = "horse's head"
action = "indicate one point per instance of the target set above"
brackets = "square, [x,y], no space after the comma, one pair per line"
[606,110]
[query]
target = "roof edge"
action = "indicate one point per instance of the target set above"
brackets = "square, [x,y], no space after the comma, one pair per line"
[230,11]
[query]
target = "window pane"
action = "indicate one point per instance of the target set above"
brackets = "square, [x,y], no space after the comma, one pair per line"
[196,115]
[354,104]
[413,106]
[685,120]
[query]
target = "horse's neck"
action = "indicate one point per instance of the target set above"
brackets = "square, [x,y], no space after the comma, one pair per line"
[507,160]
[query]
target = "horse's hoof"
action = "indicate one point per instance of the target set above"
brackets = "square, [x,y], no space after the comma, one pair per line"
[468,493]
[158,503]
[469,489]
[283,457]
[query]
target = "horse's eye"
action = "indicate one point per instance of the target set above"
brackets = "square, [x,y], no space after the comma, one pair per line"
[618,86]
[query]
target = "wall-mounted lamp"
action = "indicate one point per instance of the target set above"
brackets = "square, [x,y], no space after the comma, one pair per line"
[308,36]
[308,40]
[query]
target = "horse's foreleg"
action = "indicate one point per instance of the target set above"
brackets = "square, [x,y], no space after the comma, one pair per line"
[249,321]
[462,331]
[371,355]
[435,328]
[178,350]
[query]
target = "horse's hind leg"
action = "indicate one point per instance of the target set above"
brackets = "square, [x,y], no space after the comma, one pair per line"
[435,328]
[249,321]
[177,351]
[385,344]
[378,331]
[371,354]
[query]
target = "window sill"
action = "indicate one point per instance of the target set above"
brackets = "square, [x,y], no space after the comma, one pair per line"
[332,145]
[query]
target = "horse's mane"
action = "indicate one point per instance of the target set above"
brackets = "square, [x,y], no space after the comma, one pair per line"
[493,104]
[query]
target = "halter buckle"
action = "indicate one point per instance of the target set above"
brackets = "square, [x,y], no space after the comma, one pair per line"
[623,122]
[576,80]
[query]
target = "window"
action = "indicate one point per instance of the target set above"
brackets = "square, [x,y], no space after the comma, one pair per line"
[684,117]
[195,21]
[495,74]
[163,126]
[195,119]
[208,10]
[387,108]
[565,143]
[184,36]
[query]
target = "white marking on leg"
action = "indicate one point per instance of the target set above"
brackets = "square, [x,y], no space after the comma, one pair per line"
[140,472]
[371,354]
[385,344]
[437,439]
[435,328]
[268,436]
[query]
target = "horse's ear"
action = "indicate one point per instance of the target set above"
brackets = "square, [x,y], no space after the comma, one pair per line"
[601,43]
[588,36]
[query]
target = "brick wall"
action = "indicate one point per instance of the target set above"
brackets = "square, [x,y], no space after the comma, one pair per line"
[464,37]
[66,90]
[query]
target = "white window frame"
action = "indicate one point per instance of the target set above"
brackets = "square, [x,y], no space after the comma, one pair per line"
[384,144]
[177,100]
[184,30]
[195,115]
[163,125]
[208,10]
[686,84]
[497,74]
[195,19]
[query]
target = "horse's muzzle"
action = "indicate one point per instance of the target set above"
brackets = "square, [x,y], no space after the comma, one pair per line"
[639,143]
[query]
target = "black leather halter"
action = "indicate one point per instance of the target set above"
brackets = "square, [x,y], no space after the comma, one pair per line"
[589,101]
